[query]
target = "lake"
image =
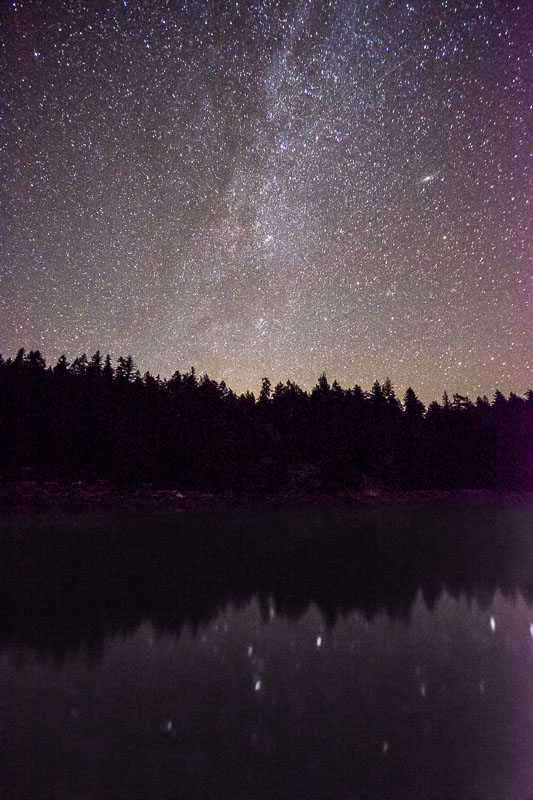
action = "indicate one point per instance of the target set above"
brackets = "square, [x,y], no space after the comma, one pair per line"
[373,654]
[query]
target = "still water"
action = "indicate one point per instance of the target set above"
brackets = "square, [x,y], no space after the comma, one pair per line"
[370,655]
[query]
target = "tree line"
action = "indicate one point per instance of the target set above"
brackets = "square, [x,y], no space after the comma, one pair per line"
[89,420]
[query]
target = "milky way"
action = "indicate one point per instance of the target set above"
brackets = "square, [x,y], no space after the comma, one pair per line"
[271,189]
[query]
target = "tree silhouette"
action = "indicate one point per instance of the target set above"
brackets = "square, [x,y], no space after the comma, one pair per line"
[89,421]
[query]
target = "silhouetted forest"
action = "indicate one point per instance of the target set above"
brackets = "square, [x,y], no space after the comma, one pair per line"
[90,420]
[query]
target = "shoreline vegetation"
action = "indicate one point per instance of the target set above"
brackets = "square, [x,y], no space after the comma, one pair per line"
[81,497]
[189,441]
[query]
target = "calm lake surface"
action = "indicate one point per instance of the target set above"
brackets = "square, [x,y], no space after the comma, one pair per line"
[371,655]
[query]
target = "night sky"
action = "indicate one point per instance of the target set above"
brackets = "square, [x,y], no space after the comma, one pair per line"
[270,189]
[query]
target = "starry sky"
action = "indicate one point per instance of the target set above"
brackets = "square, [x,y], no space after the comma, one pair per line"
[273,188]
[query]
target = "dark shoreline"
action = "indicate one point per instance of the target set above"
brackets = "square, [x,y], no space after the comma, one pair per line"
[34,496]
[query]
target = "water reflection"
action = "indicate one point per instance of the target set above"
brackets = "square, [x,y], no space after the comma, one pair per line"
[367,656]
[72,582]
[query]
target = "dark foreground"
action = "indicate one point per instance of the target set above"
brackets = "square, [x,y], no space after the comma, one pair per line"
[67,496]
[368,653]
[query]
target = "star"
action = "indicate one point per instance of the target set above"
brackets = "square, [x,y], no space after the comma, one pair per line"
[161,157]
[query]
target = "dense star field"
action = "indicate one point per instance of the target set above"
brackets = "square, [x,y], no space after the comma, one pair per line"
[270,189]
